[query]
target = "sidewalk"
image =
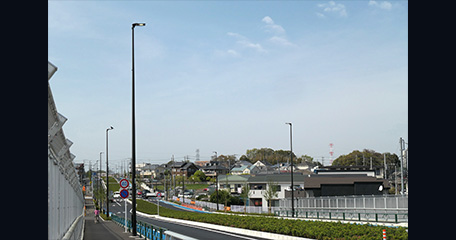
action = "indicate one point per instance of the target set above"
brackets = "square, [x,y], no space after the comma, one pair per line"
[102,229]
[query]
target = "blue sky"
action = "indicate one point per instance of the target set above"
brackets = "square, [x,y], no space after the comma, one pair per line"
[225,76]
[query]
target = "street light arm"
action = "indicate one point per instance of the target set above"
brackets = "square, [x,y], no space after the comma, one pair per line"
[137,24]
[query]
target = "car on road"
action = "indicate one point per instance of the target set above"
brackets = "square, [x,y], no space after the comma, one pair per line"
[116,195]
[187,194]
[148,194]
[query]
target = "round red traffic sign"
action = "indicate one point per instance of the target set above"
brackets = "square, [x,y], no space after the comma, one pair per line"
[159,194]
[124,183]
[124,193]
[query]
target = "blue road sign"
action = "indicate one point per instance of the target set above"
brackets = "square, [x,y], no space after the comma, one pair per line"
[124,183]
[124,193]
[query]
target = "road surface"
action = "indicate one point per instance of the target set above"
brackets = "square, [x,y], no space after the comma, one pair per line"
[118,208]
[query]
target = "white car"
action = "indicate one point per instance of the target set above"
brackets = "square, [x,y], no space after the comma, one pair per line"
[116,195]
[148,194]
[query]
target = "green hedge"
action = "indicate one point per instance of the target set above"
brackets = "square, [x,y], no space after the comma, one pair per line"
[299,228]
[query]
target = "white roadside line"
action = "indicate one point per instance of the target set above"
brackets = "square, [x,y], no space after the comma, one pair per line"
[207,229]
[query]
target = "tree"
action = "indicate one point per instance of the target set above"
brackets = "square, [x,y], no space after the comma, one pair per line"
[245,194]
[270,193]
[199,176]
[224,196]
[243,158]
[267,154]
[363,158]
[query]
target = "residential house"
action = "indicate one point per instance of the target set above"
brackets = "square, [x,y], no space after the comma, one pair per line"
[374,171]
[317,185]
[214,168]
[313,186]
[239,167]
[159,171]
[239,170]
[145,170]
[233,183]
[283,168]
[262,167]
[183,168]
[201,163]
[259,184]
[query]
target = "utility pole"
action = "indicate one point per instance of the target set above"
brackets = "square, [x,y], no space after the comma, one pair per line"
[292,184]
[386,166]
[402,166]
[99,185]
[395,180]
[216,180]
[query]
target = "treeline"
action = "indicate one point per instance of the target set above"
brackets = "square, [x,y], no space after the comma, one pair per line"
[269,155]
[364,159]
[272,156]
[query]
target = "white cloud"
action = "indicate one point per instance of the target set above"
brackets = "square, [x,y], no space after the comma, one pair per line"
[278,32]
[383,5]
[272,27]
[281,41]
[227,53]
[268,20]
[332,6]
[233,53]
[320,15]
[246,43]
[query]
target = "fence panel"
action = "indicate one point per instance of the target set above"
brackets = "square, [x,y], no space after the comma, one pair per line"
[65,198]
[389,208]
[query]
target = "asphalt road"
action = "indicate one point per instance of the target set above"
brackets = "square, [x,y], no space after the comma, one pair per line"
[188,230]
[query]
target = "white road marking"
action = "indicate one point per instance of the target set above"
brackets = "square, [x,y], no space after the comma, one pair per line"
[208,229]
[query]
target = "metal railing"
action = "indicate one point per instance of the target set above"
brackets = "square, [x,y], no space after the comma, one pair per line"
[350,215]
[252,209]
[150,231]
[384,208]
[388,208]
[391,202]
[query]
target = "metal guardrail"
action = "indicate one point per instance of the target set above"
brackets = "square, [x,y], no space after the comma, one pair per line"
[340,215]
[150,231]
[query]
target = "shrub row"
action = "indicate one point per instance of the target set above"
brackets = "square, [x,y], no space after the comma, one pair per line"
[299,228]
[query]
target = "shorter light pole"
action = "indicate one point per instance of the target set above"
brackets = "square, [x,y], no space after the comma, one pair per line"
[216,181]
[100,193]
[291,156]
[107,173]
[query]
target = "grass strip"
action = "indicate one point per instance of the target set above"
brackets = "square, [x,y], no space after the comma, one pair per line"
[298,228]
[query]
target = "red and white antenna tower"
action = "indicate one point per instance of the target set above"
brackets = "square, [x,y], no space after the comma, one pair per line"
[331,152]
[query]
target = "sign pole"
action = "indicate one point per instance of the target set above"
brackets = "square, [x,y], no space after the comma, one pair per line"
[124,194]
[125,202]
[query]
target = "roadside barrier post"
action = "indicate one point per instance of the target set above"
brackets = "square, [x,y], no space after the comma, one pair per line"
[384,234]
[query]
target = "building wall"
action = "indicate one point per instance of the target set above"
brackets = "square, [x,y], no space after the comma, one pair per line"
[363,188]
[337,190]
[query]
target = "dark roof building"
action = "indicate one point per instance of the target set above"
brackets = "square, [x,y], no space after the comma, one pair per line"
[183,168]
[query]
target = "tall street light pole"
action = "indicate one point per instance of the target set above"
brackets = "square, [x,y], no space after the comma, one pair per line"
[292,184]
[216,180]
[133,141]
[107,173]
[99,197]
